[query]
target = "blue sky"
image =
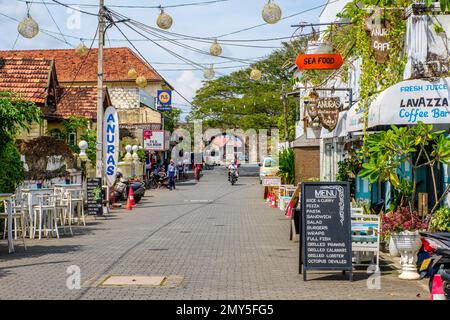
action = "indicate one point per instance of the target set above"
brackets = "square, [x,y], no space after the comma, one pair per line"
[201,21]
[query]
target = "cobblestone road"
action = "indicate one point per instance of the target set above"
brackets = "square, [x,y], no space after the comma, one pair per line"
[211,241]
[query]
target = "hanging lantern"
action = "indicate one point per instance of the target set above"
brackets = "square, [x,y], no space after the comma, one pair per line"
[81,50]
[141,81]
[164,21]
[215,49]
[28,28]
[209,73]
[132,73]
[255,74]
[271,12]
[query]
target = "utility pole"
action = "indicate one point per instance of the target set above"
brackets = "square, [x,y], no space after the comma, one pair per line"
[286,123]
[99,145]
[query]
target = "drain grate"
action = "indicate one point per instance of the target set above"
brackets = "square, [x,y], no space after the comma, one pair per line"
[133,281]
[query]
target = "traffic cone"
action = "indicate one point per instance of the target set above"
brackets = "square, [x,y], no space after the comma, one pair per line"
[129,206]
[269,196]
[437,292]
[273,202]
[131,197]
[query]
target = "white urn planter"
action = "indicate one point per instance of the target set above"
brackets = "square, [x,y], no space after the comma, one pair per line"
[408,244]
[393,252]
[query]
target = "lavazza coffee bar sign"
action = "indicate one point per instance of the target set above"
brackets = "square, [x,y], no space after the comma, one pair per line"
[411,101]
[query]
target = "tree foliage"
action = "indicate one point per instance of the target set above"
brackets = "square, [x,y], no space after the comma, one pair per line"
[15,115]
[236,101]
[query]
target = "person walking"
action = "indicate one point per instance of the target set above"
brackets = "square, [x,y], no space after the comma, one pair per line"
[172,170]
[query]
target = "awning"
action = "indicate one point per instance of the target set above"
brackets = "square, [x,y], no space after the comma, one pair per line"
[411,101]
[339,131]
[355,118]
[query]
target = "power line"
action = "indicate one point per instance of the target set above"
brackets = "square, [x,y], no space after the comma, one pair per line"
[53,19]
[202,3]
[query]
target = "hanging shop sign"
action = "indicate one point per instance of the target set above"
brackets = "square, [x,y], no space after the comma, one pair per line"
[326,238]
[111,144]
[319,61]
[409,102]
[164,100]
[271,181]
[155,140]
[379,33]
[328,112]
[311,102]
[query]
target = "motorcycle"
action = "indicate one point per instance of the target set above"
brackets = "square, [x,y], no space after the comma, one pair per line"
[437,245]
[233,177]
[156,181]
[122,188]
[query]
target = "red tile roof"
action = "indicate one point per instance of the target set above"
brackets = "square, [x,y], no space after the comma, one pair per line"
[28,77]
[117,61]
[76,100]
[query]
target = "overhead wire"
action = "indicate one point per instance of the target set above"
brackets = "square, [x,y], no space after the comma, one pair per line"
[54,21]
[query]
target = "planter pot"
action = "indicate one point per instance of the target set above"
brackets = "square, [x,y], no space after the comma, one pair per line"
[393,252]
[408,244]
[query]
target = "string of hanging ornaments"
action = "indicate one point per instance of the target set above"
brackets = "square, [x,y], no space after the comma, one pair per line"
[132,73]
[209,73]
[271,12]
[255,74]
[141,81]
[164,21]
[215,49]
[28,28]
[81,50]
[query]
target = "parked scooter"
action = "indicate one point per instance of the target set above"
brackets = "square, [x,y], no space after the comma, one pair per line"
[122,187]
[438,247]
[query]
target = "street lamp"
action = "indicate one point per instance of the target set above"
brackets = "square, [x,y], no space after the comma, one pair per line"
[83,147]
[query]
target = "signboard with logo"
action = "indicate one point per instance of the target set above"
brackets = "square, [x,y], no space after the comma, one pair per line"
[326,239]
[379,33]
[271,181]
[111,144]
[94,196]
[155,140]
[319,61]
[164,100]
[409,102]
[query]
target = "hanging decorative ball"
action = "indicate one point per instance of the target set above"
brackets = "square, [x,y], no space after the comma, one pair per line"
[164,21]
[28,28]
[215,49]
[141,81]
[209,73]
[132,73]
[81,50]
[255,74]
[271,12]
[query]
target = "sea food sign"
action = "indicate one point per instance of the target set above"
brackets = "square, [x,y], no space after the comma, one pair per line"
[409,102]
[111,144]
[319,61]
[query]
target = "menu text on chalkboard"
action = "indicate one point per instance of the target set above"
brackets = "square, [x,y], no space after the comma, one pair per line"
[326,227]
[94,196]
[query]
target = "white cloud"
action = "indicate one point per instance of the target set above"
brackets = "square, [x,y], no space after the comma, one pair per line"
[187,84]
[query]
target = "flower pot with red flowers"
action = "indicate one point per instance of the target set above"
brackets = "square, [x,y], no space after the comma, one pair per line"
[404,226]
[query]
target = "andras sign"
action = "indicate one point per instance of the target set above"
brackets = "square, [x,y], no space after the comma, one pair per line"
[319,61]
[111,144]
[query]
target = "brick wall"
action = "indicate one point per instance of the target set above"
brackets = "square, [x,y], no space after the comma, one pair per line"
[307,163]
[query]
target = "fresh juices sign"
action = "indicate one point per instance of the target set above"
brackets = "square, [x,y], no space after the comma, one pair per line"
[409,102]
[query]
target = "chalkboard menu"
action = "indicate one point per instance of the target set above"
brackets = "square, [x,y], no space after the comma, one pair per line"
[326,242]
[94,196]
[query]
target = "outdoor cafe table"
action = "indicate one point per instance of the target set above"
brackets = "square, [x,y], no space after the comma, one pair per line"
[8,197]
[33,199]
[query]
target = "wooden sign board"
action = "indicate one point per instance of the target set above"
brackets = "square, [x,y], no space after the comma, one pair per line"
[381,45]
[326,240]
[94,196]
[319,61]
[328,112]
[271,181]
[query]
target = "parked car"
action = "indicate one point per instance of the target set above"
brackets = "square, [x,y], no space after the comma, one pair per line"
[268,167]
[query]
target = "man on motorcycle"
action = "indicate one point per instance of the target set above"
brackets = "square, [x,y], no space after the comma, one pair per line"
[233,167]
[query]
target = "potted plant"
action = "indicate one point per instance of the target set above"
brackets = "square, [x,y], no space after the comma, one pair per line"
[404,225]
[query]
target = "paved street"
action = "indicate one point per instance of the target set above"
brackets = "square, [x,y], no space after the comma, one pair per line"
[211,241]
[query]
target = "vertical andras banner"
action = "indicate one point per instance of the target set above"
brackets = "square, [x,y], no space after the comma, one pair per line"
[110,144]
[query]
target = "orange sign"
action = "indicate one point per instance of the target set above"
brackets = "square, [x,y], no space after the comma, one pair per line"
[320,61]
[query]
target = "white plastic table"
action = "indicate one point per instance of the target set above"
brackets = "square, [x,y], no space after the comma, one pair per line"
[8,197]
